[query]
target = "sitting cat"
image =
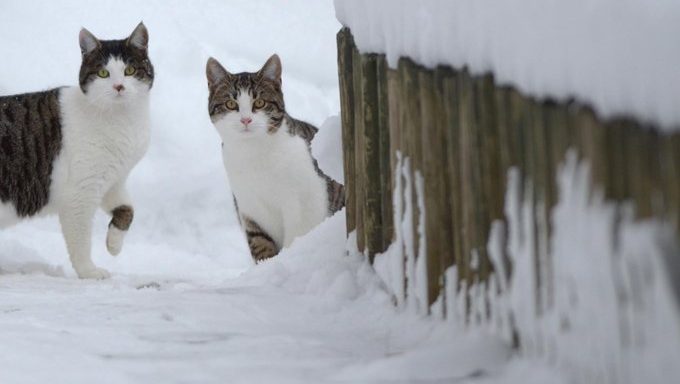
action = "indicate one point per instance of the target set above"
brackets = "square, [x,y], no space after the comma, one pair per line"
[69,150]
[279,191]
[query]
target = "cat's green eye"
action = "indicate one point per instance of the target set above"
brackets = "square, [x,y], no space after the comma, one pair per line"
[130,70]
[259,103]
[103,73]
[231,104]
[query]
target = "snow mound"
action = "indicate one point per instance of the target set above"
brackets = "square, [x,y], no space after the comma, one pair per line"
[327,148]
[318,264]
[456,357]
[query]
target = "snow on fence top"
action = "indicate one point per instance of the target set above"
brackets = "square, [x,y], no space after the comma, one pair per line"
[620,56]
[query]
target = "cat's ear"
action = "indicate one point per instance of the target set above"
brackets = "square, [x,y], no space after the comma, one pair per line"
[139,37]
[88,42]
[215,72]
[272,68]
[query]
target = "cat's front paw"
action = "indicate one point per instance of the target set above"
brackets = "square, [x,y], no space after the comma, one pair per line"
[93,272]
[114,240]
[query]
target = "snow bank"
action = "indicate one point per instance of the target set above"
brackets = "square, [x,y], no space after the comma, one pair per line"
[620,56]
[325,265]
[319,264]
[327,148]
[453,357]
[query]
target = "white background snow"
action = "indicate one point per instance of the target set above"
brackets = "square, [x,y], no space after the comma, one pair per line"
[185,304]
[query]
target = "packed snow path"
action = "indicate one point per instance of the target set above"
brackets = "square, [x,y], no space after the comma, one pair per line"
[135,330]
[131,330]
[307,317]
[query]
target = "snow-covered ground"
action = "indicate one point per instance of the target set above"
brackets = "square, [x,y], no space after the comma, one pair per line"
[308,316]
[185,304]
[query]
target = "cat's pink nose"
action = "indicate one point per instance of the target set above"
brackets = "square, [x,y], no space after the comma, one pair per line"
[246,120]
[118,87]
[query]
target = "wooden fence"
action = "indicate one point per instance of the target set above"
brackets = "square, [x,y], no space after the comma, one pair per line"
[462,133]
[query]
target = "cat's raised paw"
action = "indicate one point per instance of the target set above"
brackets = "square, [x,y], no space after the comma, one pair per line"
[94,273]
[114,240]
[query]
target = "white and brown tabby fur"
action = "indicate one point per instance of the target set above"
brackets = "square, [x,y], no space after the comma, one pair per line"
[278,188]
[68,151]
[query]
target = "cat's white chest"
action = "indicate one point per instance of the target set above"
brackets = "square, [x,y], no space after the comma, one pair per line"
[98,150]
[276,184]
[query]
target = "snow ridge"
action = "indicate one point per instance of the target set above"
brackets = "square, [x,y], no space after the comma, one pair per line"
[620,56]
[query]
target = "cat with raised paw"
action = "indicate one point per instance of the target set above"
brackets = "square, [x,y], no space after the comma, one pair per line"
[69,150]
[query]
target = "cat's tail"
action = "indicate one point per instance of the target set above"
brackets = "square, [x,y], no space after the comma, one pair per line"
[336,195]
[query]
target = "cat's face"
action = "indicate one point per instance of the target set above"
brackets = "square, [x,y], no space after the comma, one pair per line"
[115,71]
[246,105]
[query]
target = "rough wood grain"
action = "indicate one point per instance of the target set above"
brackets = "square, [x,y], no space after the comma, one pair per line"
[467,157]
[347,103]
[451,96]
[385,154]
[463,133]
[371,194]
[359,150]
[437,218]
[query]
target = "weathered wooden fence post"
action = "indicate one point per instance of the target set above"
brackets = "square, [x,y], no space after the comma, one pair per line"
[359,149]
[370,157]
[346,77]
[439,246]
[385,154]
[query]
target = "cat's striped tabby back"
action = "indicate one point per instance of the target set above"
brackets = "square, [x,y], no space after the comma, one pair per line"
[68,151]
[278,188]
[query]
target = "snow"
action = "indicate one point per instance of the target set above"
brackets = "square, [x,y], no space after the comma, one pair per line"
[305,316]
[326,149]
[621,307]
[419,276]
[620,56]
[390,265]
[402,261]
[475,355]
